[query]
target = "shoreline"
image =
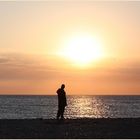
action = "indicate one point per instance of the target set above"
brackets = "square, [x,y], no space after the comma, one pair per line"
[108,128]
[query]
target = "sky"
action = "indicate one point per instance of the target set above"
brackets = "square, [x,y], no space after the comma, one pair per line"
[34,35]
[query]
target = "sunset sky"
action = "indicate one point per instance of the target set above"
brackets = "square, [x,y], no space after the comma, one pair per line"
[92,47]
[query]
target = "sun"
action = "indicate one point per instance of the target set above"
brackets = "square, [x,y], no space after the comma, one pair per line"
[82,49]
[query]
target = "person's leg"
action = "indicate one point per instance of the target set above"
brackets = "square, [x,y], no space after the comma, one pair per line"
[58,113]
[62,112]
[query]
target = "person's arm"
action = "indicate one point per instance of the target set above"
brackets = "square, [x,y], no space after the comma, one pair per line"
[58,91]
[65,100]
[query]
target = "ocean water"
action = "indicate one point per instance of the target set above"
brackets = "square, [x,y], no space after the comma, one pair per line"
[21,107]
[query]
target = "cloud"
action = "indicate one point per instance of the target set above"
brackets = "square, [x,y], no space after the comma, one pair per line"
[24,73]
[24,67]
[29,67]
[128,73]
[3,60]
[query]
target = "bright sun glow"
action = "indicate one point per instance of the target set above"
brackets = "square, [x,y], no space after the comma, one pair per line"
[82,49]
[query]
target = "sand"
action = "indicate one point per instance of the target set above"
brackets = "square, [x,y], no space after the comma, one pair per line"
[70,128]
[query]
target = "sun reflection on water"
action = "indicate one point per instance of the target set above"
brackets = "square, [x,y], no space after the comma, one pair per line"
[85,106]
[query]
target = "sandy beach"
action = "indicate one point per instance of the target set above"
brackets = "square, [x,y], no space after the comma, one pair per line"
[70,128]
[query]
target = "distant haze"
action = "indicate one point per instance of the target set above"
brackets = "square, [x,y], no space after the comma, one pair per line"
[32,34]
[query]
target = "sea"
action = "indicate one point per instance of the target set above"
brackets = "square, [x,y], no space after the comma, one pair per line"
[45,107]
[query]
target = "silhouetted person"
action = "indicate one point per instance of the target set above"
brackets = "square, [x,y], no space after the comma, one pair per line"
[62,102]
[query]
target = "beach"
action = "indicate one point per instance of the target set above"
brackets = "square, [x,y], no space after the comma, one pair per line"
[70,128]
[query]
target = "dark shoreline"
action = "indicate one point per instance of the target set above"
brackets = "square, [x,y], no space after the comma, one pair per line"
[107,128]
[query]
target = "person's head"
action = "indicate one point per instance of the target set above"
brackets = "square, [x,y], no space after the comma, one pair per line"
[62,86]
